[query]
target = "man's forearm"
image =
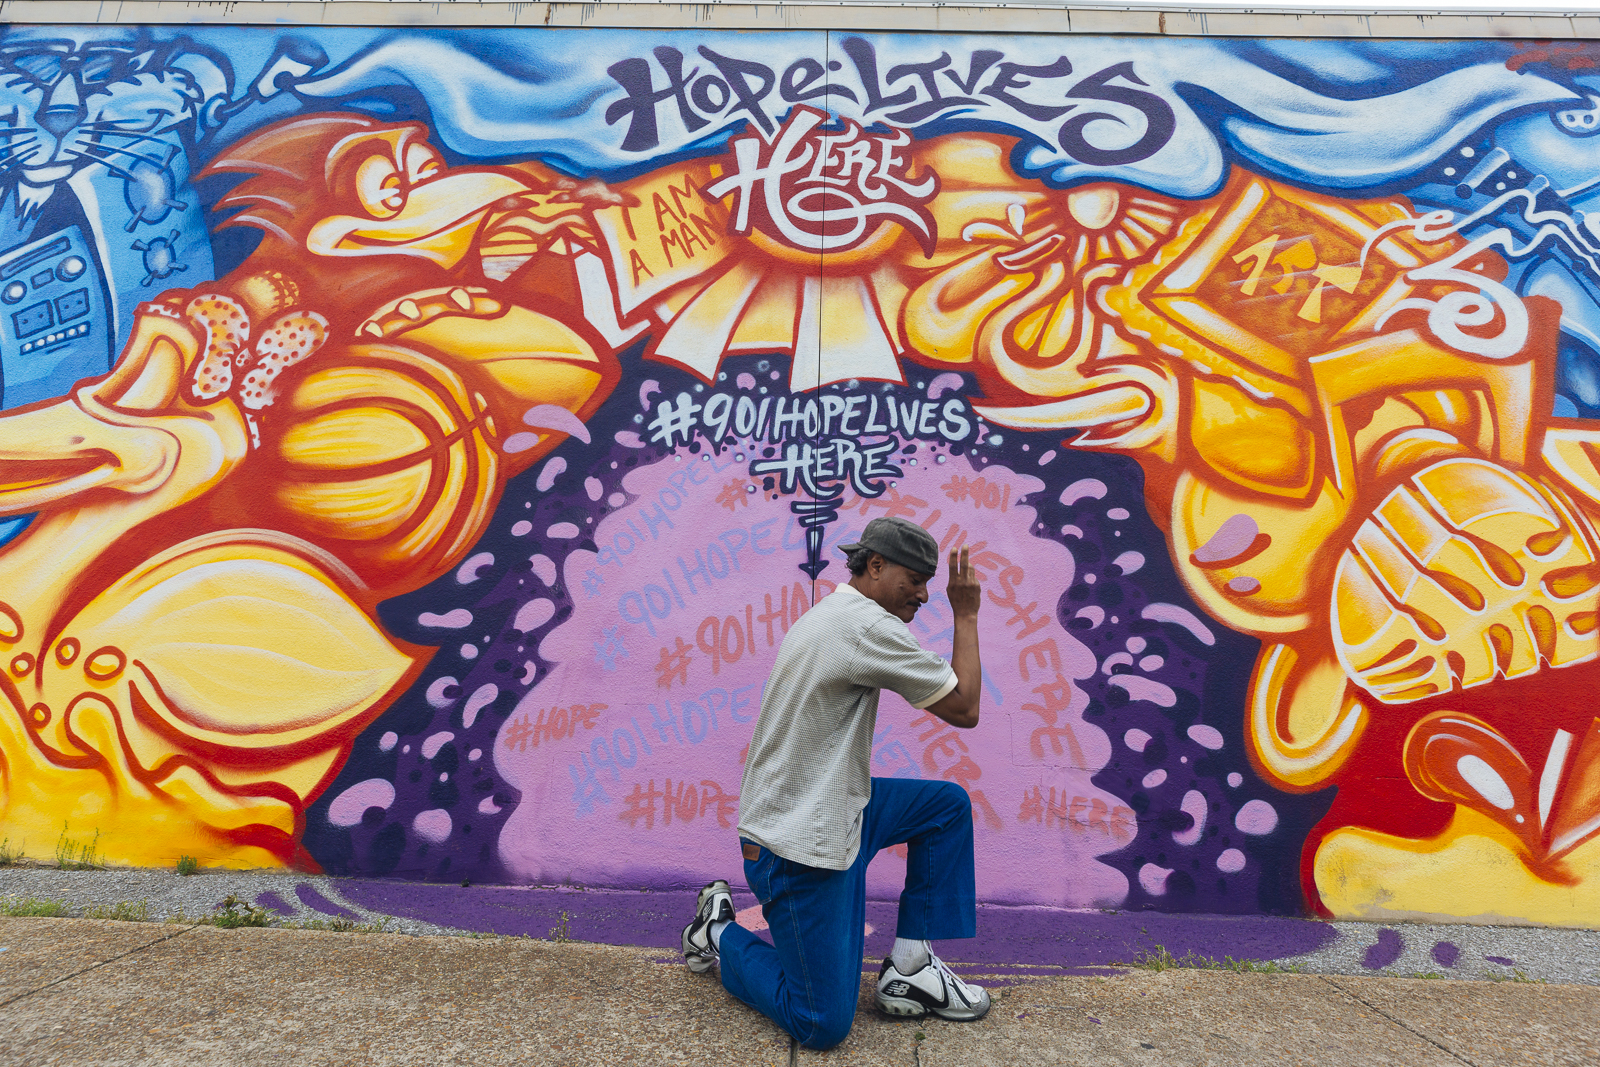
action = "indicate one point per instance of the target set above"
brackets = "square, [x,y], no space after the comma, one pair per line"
[960,706]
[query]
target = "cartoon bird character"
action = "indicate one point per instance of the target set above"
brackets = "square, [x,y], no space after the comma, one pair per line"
[188,625]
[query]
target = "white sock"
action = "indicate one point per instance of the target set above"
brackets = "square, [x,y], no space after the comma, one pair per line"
[910,956]
[716,933]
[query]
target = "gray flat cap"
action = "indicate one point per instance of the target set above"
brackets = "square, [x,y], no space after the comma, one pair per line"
[900,541]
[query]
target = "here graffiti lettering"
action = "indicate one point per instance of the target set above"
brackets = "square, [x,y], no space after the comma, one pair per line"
[831,445]
[1080,815]
[946,756]
[824,189]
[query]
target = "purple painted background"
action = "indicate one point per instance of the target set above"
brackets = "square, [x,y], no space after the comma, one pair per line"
[1154,821]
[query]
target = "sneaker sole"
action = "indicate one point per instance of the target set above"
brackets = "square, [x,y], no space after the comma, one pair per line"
[963,1018]
[907,1008]
[715,888]
[902,1007]
[696,961]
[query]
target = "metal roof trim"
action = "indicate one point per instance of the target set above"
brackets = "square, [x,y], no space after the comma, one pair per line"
[884,16]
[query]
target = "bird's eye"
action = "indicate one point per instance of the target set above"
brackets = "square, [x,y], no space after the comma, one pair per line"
[422,163]
[379,186]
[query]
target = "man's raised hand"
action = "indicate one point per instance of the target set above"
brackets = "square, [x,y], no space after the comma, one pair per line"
[965,590]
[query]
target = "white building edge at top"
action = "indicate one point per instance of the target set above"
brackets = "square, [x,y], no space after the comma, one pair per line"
[1482,19]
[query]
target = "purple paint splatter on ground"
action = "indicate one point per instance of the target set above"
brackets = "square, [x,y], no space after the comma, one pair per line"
[1445,954]
[1501,960]
[1385,952]
[317,902]
[269,899]
[1028,940]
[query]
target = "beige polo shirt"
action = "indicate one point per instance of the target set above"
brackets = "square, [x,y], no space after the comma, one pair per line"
[808,774]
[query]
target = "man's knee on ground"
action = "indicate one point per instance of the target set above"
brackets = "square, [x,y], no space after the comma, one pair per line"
[829,1032]
[833,1017]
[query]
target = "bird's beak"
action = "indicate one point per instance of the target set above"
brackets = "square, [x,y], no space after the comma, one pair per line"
[121,433]
[439,221]
[52,453]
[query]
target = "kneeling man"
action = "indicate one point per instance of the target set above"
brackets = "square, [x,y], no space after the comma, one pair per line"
[811,817]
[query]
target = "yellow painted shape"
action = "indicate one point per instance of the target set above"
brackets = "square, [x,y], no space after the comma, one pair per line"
[530,382]
[1304,719]
[242,656]
[1470,873]
[1236,345]
[966,161]
[352,437]
[518,333]
[528,358]
[368,507]
[251,646]
[853,339]
[1294,571]
[1572,451]
[1252,444]
[1455,564]
[414,383]
[700,334]
[446,513]
[944,314]
[1027,330]
[769,317]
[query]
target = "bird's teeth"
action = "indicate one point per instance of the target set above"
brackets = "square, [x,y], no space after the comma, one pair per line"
[462,298]
[371,328]
[409,309]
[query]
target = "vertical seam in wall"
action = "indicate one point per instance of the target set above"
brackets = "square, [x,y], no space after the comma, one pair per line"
[93,966]
[822,274]
[1415,1033]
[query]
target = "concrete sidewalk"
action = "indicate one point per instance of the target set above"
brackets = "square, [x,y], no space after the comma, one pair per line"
[81,991]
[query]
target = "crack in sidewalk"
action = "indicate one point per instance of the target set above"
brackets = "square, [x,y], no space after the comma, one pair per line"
[1414,1033]
[93,966]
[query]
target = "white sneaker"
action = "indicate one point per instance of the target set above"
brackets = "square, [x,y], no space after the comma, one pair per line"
[934,988]
[715,904]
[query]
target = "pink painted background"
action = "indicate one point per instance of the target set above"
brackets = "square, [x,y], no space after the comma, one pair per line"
[629,754]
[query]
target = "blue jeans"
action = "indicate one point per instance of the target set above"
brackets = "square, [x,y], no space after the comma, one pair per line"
[808,979]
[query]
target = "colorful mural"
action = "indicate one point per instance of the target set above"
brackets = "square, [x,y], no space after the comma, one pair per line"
[416,443]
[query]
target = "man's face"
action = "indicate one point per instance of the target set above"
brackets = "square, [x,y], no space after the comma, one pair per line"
[898,590]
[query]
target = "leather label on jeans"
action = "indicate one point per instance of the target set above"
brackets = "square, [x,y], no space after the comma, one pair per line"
[752,852]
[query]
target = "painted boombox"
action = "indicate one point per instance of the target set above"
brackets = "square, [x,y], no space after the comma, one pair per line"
[55,324]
